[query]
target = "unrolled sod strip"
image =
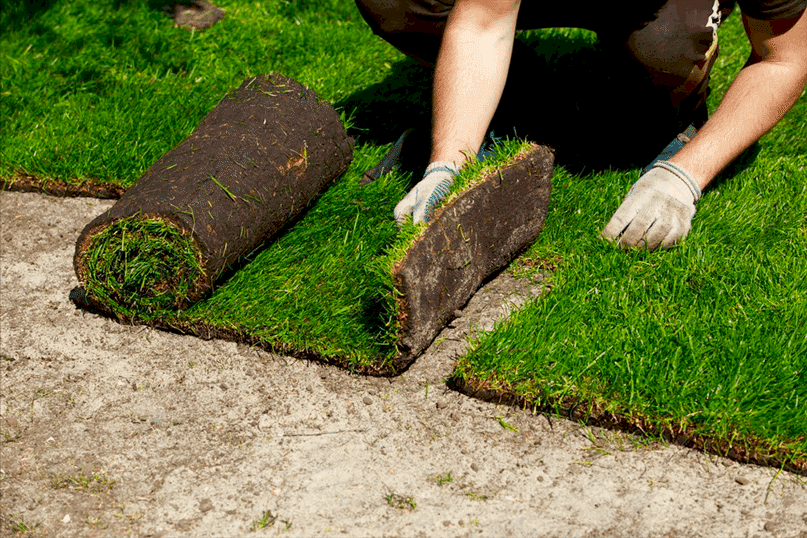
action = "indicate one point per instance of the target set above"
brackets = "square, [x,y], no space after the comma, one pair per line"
[251,166]
[470,238]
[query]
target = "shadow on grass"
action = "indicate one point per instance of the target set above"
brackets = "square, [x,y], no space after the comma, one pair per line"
[16,12]
[567,93]
[383,111]
[743,161]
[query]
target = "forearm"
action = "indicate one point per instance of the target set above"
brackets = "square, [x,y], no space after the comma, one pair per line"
[469,77]
[757,100]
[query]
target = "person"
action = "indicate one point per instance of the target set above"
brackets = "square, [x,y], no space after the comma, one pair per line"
[471,43]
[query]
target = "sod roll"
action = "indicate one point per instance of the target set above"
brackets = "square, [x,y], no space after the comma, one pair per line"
[249,168]
[470,239]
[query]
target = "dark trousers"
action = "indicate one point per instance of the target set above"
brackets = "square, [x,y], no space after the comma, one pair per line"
[663,50]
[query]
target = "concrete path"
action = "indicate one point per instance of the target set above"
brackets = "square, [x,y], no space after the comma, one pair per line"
[113,430]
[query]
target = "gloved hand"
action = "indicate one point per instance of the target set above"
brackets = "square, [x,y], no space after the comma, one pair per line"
[419,203]
[658,209]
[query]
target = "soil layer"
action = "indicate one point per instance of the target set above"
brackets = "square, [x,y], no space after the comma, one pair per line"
[470,239]
[89,188]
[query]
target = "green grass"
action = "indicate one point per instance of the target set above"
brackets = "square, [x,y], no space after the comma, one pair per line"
[704,342]
[323,288]
[143,267]
[100,90]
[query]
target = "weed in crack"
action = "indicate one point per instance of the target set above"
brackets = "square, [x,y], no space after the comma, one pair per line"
[443,478]
[474,493]
[267,520]
[97,482]
[16,524]
[401,502]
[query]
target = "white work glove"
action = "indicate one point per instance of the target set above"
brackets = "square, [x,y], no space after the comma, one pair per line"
[419,203]
[657,211]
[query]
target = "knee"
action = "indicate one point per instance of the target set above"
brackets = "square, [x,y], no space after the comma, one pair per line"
[674,60]
[679,47]
[385,17]
[678,56]
[415,27]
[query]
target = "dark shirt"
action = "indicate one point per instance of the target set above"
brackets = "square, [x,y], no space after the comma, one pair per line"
[772,9]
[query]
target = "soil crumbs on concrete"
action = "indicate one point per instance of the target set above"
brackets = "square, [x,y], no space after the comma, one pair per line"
[113,430]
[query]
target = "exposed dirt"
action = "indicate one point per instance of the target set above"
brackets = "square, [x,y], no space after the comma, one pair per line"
[110,429]
[194,14]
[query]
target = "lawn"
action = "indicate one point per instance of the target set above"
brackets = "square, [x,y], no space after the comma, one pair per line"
[705,343]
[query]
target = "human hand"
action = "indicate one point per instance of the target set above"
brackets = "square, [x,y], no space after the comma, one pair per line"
[657,211]
[419,203]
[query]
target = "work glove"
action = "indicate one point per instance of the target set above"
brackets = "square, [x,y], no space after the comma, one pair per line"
[657,211]
[420,202]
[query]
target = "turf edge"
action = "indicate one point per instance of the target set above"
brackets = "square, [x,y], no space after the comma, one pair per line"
[88,188]
[595,412]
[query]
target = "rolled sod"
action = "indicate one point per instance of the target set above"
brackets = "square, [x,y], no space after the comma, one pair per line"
[471,237]
[254,163]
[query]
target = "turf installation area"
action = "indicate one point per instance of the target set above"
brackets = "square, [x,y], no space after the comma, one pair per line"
[705,343]
[347,288]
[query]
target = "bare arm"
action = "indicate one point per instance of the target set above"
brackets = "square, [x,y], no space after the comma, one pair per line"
[764,90]
[470,75]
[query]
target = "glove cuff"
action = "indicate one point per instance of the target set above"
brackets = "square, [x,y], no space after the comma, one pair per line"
[683,175]
[442,166]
